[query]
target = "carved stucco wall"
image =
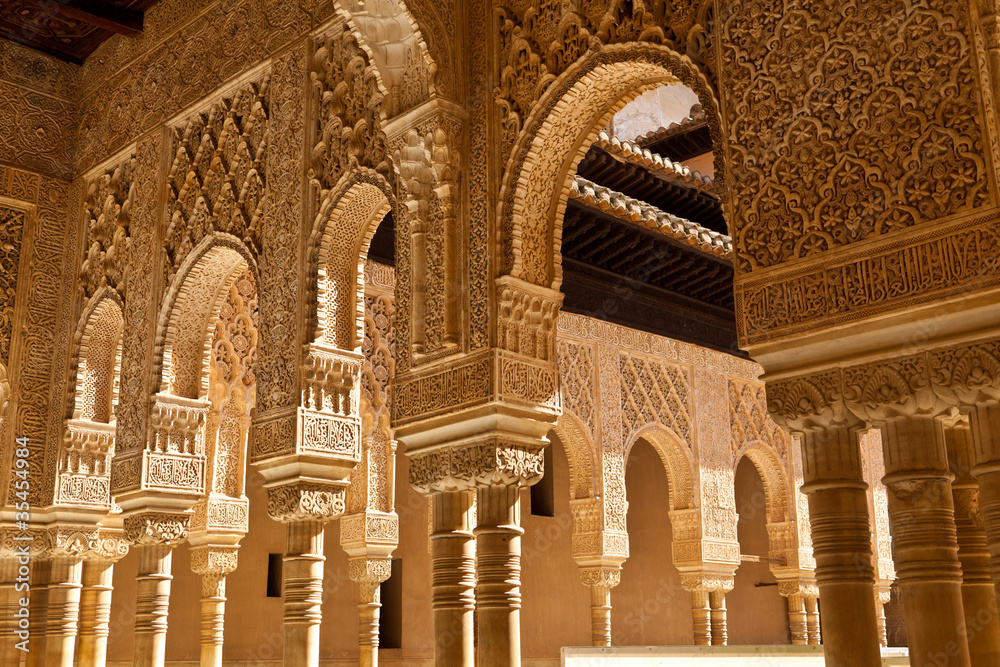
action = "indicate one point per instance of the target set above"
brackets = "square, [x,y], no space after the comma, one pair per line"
[855,130]
[702,410]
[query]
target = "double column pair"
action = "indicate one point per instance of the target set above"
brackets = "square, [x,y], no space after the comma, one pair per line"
[476,556]
[921,509]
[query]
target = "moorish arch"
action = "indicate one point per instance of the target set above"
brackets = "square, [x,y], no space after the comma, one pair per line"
[88,443]
[342,231]
[190,310]
[676,461]
[772,475]
[98,358]
[560,129]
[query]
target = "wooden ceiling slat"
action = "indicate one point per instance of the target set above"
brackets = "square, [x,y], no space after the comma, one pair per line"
[101,15]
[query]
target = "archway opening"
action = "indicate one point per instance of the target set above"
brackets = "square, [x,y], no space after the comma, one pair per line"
[651,607]
[758,614]
[643,230]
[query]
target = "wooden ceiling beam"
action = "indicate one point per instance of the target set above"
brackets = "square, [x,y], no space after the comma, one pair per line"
[101,15]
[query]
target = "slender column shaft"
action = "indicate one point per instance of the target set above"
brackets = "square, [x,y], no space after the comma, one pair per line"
[925,545]
[985,426]
[303,592]
[498,589]
[600,615]
[812,621]
[453,551]
[797,623]
[978,592]
[213,618]
[701,613]
[95,612]
[39,604]
[838,512]
[151,604]
[720,633]
[883,639]
[63,610]
[9,654]
[368,619]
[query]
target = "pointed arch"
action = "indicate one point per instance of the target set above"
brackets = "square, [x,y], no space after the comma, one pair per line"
[557,134]
[190,310]
[676,460]
[342,232]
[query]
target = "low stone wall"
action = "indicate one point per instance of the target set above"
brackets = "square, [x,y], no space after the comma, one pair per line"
[717,656]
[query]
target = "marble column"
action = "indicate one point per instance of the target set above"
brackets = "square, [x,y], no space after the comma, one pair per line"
[303,570]
[600,581]
[369,573]
[95,611]
[154,536]
[9,654]
[498,567]
[152,603]
[701,612]
[978,592]
[813,620]
[838,511]
[798,625]
[453,556]
[63,612]
[214,563]
[717,602]
[925,545]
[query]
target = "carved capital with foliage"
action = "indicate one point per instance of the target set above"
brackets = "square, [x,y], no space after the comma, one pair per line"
[155,528]
[304,501]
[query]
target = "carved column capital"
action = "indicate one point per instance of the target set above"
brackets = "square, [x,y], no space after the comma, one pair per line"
[490,461]
[304,501]
[154,528]
[601,577]
[710,582]
[369,570]
[808,402]
[798,586]
[108,545]
[212,559]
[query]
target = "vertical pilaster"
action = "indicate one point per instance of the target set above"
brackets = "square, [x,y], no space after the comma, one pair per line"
[453,550]
[498,566]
